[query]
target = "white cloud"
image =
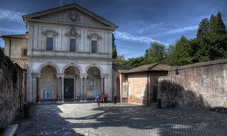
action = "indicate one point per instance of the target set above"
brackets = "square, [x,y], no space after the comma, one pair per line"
[150,27]
[129,37]
[174,31]
[7,15]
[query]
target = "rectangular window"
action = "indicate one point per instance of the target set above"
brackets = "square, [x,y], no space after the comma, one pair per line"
[72,44]
[94,46]
[24,52]
[49,43]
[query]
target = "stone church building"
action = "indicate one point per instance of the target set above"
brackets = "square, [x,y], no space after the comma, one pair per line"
[67,54]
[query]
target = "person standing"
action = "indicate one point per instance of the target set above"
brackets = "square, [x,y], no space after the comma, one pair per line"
[115,98]
[97,99]
[106,97]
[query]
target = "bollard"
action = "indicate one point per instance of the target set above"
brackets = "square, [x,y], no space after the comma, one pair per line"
[159,103]
[26,110]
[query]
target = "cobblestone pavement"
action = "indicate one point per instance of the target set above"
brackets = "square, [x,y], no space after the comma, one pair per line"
[86,119]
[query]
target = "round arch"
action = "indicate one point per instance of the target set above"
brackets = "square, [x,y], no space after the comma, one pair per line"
[101,70]
[74,65]
[50,64]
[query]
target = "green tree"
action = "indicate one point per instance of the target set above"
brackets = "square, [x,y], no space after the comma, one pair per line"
[114,48]
[212,24]
[155,53]
[203,27]
[219,25]
[182,52]
[135,62]
[168,55]
[213,46]
[120,60]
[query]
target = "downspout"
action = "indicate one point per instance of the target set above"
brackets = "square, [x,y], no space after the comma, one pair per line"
[10,47]
[148,87]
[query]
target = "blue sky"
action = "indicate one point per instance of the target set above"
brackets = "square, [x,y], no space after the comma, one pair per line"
[140,21]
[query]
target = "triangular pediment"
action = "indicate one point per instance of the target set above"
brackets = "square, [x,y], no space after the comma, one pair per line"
[70,14]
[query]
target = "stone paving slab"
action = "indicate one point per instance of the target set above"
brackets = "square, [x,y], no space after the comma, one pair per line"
[86,119]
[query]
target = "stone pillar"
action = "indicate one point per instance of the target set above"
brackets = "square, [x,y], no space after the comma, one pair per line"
[75,86]
[85,88]
[62,88]
[24,85]
[58,88]
[102,84]
[105,84]
[38,88]
[34,93]
[81,88]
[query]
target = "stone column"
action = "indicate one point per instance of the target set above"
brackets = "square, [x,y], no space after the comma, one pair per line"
[58,88]
[85,88]
[81,88]
[38,88]
[62,89]
[34,88]
[102,84]
[105,84]
[75,85]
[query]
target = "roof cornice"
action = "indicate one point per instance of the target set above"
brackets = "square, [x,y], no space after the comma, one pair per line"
[68,24]
[69,7]
[19,36]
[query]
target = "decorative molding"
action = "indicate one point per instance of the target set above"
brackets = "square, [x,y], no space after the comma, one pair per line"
[69,24]
[36,75]
[72,33]
[50,32]
[104,76]
[94,35]
[73,16]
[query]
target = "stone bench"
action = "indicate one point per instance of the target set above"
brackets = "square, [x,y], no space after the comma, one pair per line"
[10,130]
[221,109]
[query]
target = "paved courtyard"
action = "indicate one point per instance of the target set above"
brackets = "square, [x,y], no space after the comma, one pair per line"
[87,119]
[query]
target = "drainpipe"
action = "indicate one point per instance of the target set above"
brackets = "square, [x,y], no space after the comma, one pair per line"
[148,87]
[10,47]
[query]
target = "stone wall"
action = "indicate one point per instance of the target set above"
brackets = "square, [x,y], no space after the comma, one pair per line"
[11,92]
[199,85]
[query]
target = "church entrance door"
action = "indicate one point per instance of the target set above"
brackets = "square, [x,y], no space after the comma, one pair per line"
[68,88]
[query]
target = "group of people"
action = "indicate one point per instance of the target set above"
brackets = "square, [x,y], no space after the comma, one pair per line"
[104,98]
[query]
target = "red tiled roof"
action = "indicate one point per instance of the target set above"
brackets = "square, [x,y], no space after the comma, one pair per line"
[149,67]
[21,63]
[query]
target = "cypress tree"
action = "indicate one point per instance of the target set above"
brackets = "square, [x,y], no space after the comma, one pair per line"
[212,23]
[203,27]
[219,25]
[114,48]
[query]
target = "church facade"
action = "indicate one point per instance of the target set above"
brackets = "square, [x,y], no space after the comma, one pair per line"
[68,54]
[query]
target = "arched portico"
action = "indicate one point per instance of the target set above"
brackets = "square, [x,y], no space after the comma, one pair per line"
[71,89]
[47,83]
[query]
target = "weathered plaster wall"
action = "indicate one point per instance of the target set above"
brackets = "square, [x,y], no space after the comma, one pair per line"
[137,88]
[200,85]
[11,93]
[14,47]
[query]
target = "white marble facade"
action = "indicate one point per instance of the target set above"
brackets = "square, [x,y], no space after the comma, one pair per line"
[58,73]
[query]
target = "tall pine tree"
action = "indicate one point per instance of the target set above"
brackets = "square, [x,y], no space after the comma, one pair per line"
[212,23]
[219,25]
[203,27]
[114,48]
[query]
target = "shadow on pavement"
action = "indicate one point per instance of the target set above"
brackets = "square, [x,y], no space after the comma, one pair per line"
[120,119]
